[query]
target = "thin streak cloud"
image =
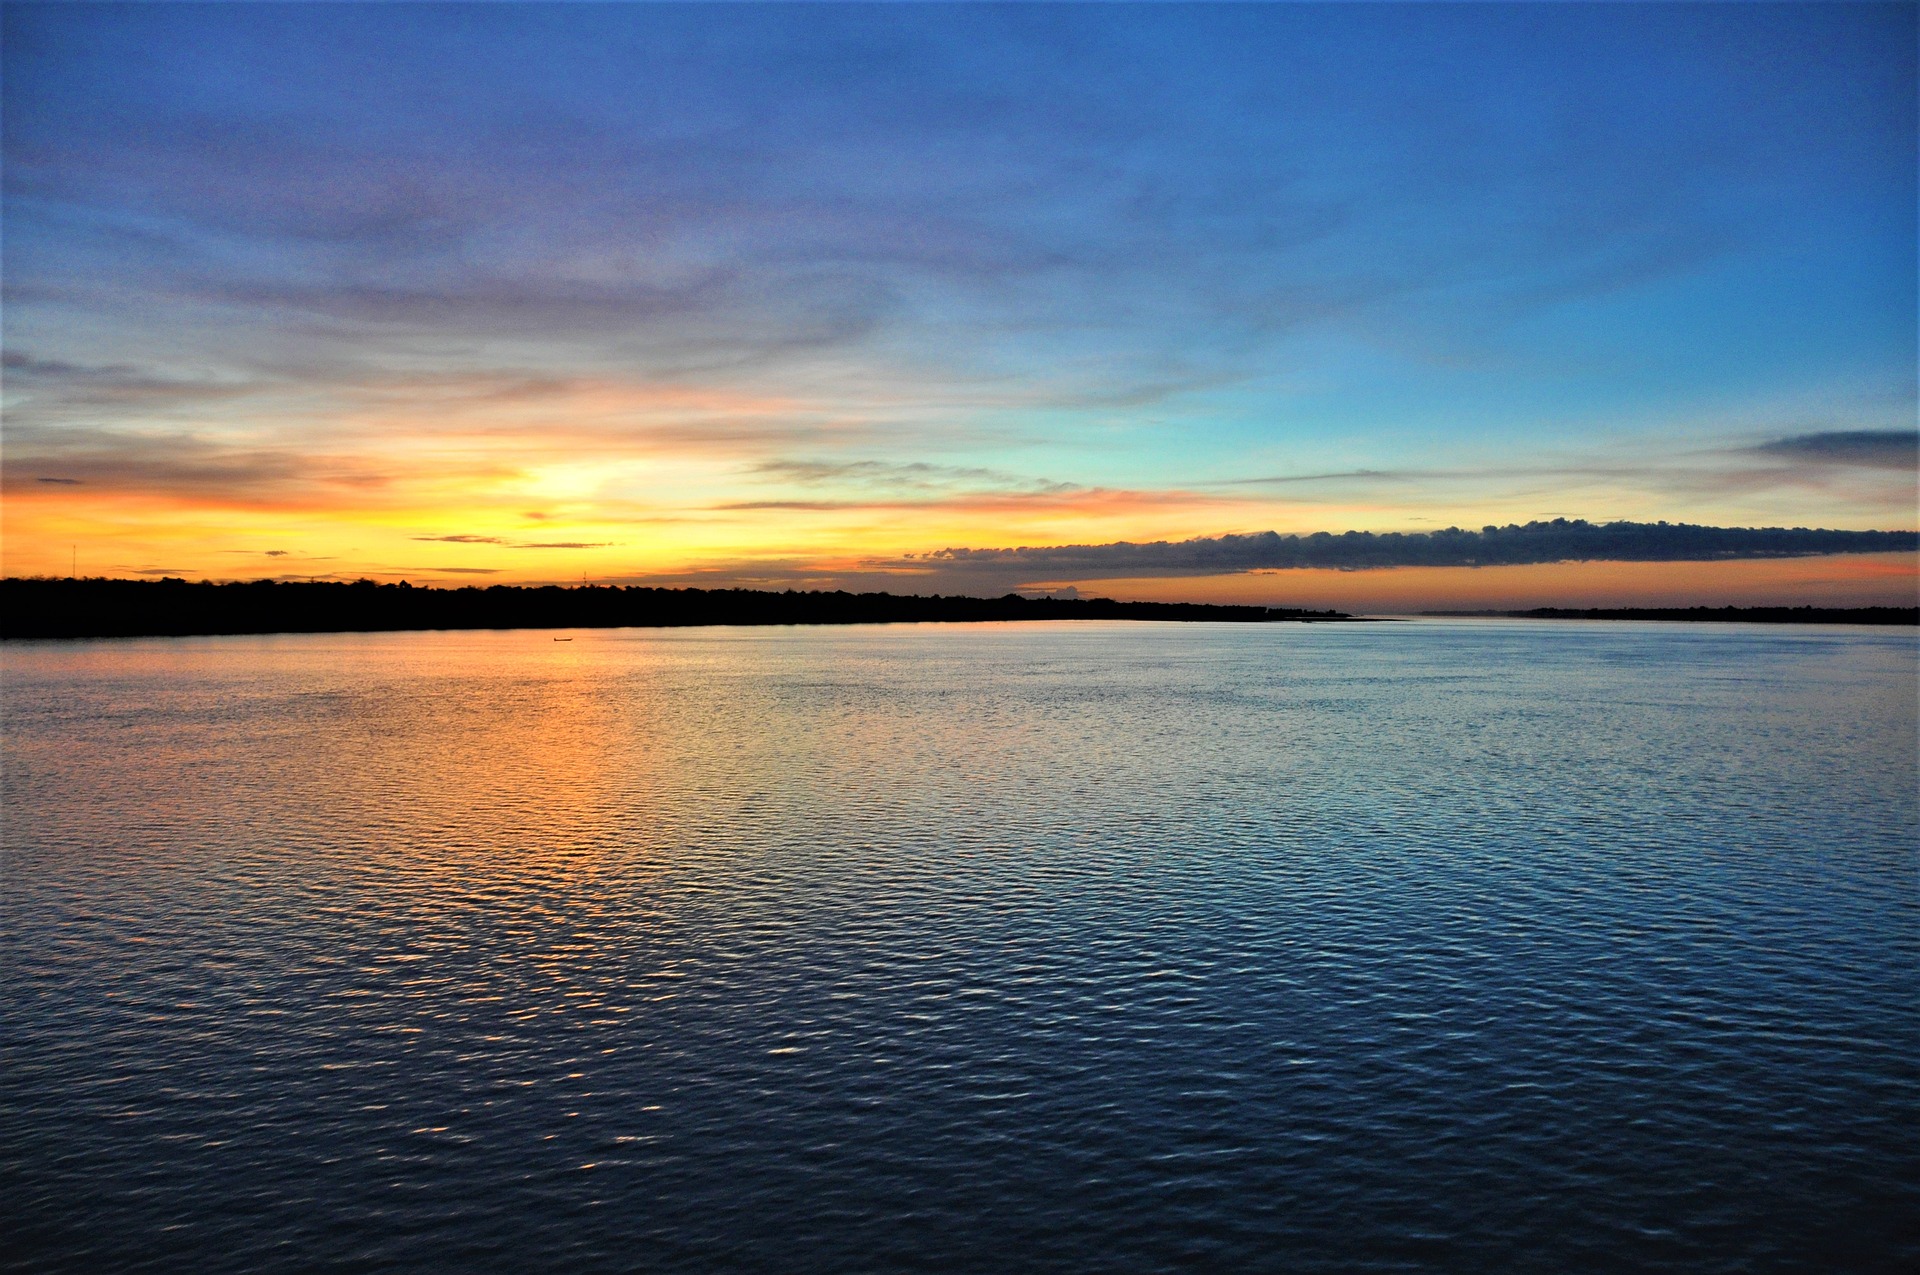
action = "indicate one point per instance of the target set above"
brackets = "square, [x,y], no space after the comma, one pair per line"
[514,544]
[1868,448]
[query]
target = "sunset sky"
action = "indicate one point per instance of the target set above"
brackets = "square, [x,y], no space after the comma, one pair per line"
[797,296]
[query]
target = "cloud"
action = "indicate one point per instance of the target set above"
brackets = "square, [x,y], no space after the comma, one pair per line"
[515,544]
[1851,465]
[1867,448]
[20,363]
[743,506]
[787,194]
[1063,499]
[912,475]
[59,388]
[1349,475]
[980,572]
[183,467]
[1561,540]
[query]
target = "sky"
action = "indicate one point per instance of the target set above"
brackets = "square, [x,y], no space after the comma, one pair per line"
[844,295]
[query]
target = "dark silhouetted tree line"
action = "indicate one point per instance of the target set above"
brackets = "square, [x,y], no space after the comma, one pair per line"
[52,607]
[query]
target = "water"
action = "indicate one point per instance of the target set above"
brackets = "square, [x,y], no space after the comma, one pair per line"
[1470,945]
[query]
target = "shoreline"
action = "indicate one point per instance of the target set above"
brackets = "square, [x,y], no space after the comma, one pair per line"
[1876,615]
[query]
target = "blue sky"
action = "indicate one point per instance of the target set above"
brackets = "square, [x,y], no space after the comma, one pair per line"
[706,287]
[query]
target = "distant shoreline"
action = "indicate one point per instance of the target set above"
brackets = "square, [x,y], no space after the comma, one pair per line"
[98,608]
[1738,615]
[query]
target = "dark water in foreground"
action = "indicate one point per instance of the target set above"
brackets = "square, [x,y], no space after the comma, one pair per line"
[1448,945]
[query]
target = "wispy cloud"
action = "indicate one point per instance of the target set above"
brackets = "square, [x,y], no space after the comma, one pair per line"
[514,544]
[1868,448]
[904,475]
[1341,476]
[57,389]
[178,465]
[1851,464]
[1072,235]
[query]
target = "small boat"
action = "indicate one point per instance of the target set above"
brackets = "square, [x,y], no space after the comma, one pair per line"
[563,639]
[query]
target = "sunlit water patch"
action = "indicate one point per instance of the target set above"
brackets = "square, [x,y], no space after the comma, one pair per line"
[1387,947]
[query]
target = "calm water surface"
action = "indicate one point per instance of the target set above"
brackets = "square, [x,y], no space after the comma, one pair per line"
[1468,945]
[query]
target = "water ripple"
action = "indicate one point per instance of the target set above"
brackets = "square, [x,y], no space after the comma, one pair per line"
[1028,947]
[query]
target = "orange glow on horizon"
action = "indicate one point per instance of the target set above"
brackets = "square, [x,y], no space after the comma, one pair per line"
[604,482]
[1875,579]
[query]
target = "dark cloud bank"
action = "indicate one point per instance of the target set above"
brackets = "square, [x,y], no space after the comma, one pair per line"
[1561,540]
